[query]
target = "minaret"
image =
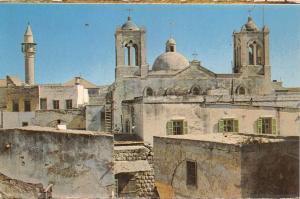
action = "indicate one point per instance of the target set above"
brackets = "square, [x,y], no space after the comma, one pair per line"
[28,48]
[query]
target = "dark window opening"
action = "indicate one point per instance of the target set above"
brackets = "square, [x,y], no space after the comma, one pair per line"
[69,104]
[241,91]
[171,48]
[24,123]
[266,126]
[15,106]
[149,92]
[27,107]
[55,104]
[43,104]
[126,185]
[127,126]
[191,173]
[195,91]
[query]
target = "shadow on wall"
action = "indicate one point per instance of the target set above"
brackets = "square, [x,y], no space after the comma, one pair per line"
[270,170]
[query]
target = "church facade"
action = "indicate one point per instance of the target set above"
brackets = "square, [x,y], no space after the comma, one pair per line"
[173,78]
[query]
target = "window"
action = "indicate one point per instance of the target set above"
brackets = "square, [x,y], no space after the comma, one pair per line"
[195,91]
[176,127]
[250,54]
[228,125]
[43,104]
[15,106]
[258,55]
[241,90]
[266,125]
[191,173]
[149,92]
[55,104]
[172,49]
[69,104]
[24,123]
[127,126]
[126,185]
[27,107]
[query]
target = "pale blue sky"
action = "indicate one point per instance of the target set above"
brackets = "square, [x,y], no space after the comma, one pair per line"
[67,48]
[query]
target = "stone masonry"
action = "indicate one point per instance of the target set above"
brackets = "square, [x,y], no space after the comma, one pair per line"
[144,179]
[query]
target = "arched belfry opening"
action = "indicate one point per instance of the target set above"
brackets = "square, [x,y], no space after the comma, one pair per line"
[131,54]
[251,54]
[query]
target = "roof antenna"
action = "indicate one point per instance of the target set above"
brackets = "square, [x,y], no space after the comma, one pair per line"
[263,15]
[171,28]
[250,11]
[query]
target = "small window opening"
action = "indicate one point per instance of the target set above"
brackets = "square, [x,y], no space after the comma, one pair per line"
[191,173]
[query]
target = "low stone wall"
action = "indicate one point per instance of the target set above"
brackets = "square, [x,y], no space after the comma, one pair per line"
[77,163]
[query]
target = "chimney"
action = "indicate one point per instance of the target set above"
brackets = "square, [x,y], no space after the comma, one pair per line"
[77,80]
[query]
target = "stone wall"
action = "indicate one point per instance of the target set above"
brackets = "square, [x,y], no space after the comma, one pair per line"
[144,176]
[256,167]
[94,121]
[74,119]
[270,170]
[77,163]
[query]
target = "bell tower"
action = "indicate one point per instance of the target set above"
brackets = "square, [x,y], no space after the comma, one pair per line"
[130,51]
[28,48]
[251,50]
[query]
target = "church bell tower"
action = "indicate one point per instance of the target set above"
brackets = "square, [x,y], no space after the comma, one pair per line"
[130,51]
[28,48]
[251,50]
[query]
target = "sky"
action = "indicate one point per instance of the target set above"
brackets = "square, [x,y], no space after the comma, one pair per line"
[67,47]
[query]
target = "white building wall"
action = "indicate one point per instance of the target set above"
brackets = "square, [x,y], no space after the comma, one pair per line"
[77,93]
[205,119]
[15,119]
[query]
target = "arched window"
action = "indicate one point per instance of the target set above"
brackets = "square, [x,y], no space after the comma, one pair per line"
[126,55]
[135,55]
[258,55]
[131,54]
[251,54]
[149,92]
[241,91]
[195,90]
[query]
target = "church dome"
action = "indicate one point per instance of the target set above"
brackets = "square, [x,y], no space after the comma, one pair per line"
[170,61]
[129,25]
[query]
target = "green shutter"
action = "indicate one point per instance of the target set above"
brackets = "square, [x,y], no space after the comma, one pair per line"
[259,126]
[221,125]
[185,127]
[274,126]
[169,128]
[235,126]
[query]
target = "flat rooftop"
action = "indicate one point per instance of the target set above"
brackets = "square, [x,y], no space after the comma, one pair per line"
[55,130]
[228,138]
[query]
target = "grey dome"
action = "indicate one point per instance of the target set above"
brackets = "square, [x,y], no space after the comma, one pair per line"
[171,41]
[170,61]
[130,25]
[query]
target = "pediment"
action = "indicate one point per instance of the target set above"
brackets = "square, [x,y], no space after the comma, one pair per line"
[195,72]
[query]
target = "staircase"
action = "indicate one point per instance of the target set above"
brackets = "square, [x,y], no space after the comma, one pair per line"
[108,118]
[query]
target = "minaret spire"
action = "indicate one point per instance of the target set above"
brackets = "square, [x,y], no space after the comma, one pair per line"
[28,49]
